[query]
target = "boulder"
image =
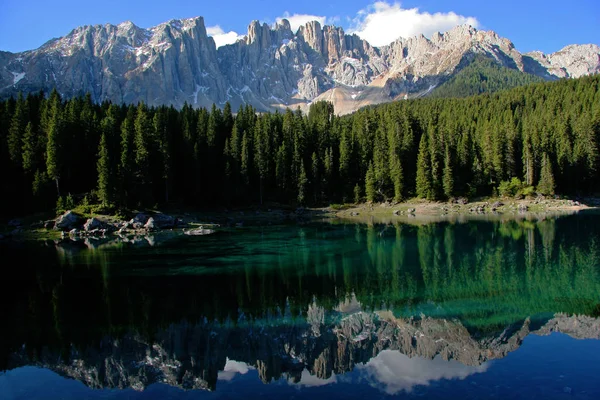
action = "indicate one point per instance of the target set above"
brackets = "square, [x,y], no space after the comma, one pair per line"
[411,211]
[497,204]
[396,212]
[73,232]
[164,221]
[67,221]
[94,224]
[151,225]
[140,218]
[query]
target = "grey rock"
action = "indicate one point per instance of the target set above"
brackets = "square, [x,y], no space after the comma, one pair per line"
[164,221]
[270,68]
[94,224]
[67,221]
[199,232]
[140,218]
[151,225]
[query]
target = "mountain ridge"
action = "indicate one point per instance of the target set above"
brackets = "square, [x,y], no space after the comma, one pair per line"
[271,67]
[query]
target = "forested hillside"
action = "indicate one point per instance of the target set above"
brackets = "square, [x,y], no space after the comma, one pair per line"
[542,137]
[483,75]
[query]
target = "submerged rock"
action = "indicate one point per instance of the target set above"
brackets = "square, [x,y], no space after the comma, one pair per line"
[199,232]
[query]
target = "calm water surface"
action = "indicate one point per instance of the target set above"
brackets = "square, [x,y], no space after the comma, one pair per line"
[481,309]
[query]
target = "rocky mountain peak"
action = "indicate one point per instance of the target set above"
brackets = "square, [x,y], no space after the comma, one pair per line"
[273,67]
[312,34]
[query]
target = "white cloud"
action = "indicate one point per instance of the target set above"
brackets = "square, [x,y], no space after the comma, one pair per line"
[233,368]
[221,37]
[393,372]
[382,22]
[297,20]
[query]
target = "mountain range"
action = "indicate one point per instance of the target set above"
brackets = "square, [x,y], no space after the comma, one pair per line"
[271,67]
[194,356]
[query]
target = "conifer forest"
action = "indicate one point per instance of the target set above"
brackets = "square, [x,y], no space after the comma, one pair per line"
[540,138]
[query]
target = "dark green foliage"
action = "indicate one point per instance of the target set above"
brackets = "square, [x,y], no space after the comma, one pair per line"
[370,190]
[546,184]
[424,177]
[543,134]
[483,75]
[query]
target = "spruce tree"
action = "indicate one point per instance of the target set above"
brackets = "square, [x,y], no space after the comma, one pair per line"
[397,177]
[302,184]
[17,130]
[546,184]
[105,185]
[370,190]
[424,180]
[54,158]
[448,178]
[30,150]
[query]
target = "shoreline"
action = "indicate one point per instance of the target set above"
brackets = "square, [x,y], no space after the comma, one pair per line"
[412,211]
[484,206]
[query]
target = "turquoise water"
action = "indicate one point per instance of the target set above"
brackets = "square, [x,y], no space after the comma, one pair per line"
[478,309]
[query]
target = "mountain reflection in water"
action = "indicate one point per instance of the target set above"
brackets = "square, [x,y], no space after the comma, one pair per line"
[389,306]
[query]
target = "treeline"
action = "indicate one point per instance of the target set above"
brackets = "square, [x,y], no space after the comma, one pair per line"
[542,137]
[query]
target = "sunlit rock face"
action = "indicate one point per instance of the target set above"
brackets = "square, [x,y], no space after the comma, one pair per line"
[272,67]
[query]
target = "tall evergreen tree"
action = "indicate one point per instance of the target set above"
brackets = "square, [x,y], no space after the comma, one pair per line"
[546,183]
[54,156]
[105,176]
[448,179]
[370,190]
[424,178]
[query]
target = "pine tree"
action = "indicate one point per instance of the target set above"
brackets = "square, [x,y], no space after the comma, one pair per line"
[357,194]
[16,131]
[141,142]
[424,179]
[546,183]
[448,178]
[105,185]
[126,162]
[53,145]
[246,159]
[30,149]
[302,184]
[316,177]
[370,190]
[397,177]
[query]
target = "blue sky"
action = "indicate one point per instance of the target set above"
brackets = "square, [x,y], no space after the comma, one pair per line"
[531,24]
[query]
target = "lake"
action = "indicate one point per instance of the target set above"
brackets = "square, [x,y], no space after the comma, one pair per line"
[483,308]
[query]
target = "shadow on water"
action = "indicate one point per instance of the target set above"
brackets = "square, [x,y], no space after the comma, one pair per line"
[297,302]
